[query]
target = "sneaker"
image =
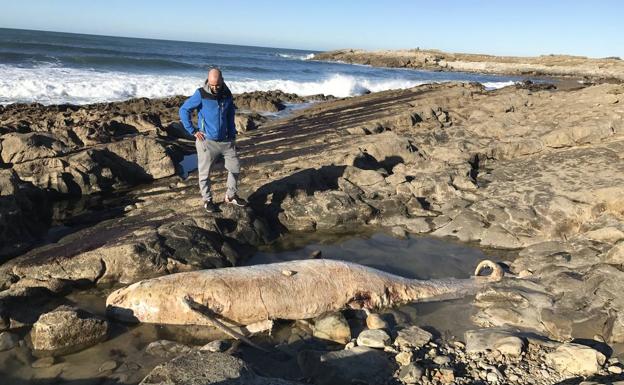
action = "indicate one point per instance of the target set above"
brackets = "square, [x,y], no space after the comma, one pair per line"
[210,207]
[236,201]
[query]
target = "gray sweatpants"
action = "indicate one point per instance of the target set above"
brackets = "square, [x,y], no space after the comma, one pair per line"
[208,151]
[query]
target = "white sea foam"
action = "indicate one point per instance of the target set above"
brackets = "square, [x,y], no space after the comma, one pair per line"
[337,85]
[52,85]
[497,85]
[298,57]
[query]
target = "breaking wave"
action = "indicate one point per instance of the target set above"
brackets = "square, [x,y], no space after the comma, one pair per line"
[55,85]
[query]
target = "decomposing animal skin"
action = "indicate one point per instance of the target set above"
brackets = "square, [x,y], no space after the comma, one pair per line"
[253,294]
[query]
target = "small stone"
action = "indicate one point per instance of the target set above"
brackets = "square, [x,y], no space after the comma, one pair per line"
[447,375]
[108,365]
[374,321]
[350,345]
[412,337]
[45,362]
[459,345]
[576,359]
[492,378]
[513,378]
[411,373]
[7,341]
[376,338]
[316,254]
[216,346]
[288,273]
[390,349]
[614,369]
[404,358]
[166,349]
[399,232]
[332,327]
[441,360]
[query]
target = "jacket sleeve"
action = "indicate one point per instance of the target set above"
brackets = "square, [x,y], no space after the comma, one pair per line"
[232,121]
[192,103]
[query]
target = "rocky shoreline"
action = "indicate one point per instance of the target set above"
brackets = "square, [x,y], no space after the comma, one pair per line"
[526,168]
[605,69]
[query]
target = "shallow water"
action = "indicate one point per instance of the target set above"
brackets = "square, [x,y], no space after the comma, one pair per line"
[414,257]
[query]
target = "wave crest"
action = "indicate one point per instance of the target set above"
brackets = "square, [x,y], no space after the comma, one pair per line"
[55,85]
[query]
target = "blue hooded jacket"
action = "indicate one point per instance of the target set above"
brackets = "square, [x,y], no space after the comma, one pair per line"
[215,116]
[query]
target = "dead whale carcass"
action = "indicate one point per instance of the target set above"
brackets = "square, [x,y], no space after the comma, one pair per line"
[288,290]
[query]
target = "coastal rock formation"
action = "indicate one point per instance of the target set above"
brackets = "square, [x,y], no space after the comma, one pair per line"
[545,65]
[67,150]
[536,171]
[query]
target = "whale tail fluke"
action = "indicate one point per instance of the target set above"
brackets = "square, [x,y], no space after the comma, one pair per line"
[496,274]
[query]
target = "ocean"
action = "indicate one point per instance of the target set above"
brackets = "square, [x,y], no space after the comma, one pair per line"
[53,68]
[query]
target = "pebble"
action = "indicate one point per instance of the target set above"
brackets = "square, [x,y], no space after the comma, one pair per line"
[492,377]
[404,358]
[108,365]
[45,362]
[390,349]
[447,375]
[316,254]
[399,232]
[376,338]
[374,321]
[216,346]
[332,327]
[411,373]
[413,337]
[441,360]
[614,369]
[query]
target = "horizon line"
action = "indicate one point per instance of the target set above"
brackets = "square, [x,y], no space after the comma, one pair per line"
[157,39]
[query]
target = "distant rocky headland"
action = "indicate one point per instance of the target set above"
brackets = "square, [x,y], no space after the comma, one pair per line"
[611,68]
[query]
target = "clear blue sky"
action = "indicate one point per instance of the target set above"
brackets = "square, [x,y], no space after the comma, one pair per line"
[530,27]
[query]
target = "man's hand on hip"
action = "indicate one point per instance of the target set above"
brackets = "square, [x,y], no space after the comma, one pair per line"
[200,135]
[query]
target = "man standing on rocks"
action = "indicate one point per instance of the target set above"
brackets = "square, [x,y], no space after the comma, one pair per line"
[215,136]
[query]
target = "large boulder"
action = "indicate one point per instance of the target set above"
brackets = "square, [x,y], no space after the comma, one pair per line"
[575,359]
[66,330]
[203,368]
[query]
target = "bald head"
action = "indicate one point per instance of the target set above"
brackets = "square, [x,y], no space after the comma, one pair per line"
[215,80]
